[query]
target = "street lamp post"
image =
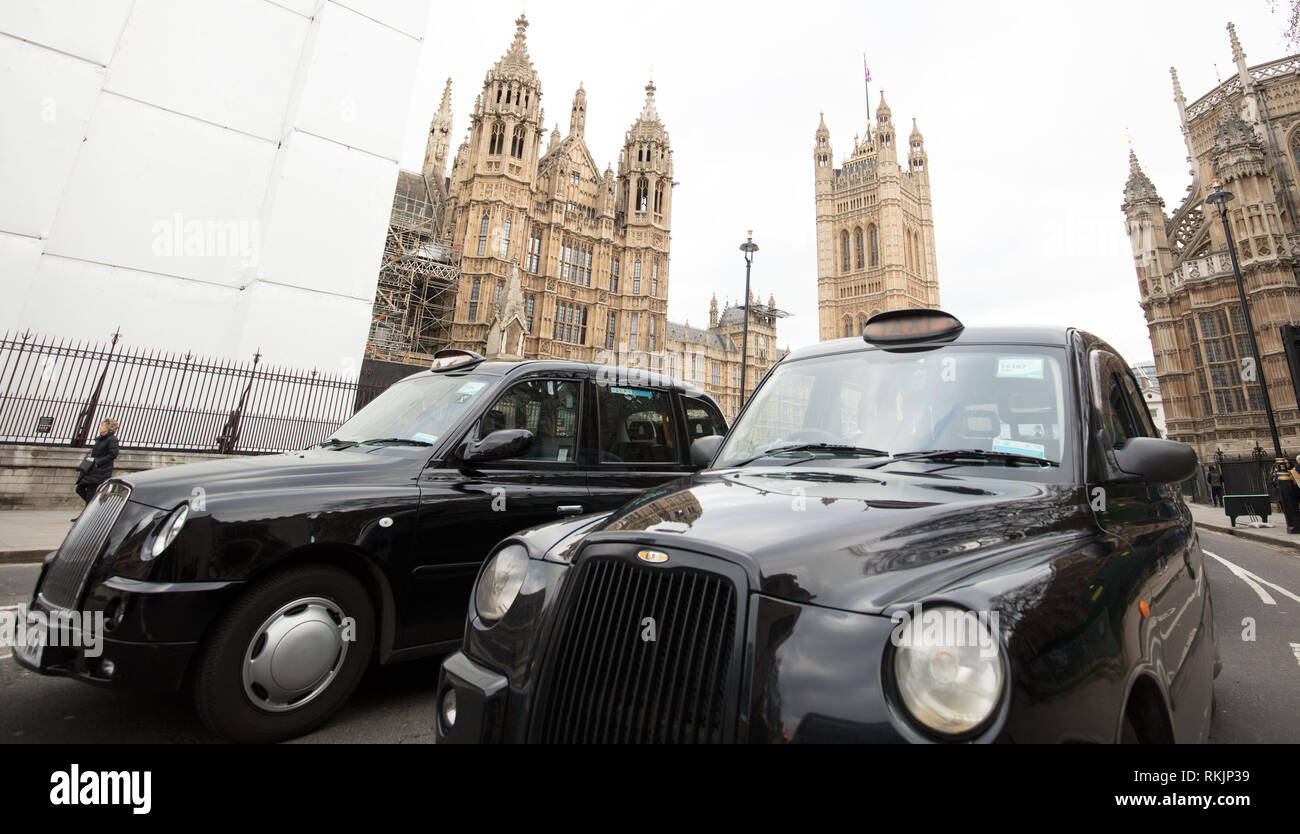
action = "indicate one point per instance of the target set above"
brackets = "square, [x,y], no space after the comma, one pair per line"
[1220,199]
[749,247]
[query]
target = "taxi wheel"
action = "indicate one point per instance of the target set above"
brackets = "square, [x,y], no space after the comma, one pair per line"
[285,656]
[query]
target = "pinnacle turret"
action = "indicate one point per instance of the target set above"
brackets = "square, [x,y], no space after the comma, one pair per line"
[1139,188]
[578,117]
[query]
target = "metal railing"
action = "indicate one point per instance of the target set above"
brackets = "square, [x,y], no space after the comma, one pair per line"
[56,392]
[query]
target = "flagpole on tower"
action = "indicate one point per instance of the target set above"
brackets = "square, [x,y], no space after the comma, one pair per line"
[867,80]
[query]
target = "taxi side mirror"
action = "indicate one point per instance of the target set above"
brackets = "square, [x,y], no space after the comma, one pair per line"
[499,445]
[704,450]
[1154,461]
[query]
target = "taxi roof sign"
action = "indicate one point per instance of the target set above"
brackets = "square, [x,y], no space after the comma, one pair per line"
[916,325]
[446,360]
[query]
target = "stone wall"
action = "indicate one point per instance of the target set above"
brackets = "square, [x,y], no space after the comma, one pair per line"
[34,477]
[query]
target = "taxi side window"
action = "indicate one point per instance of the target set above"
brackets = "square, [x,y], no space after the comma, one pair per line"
[637,426]
[1114,394]
[546,407]
[702,419]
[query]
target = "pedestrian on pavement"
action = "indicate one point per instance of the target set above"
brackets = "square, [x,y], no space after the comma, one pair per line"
[98,465]
[1288,490]
[1216,485]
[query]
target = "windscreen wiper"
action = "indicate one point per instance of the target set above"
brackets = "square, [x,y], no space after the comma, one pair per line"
[952,455]
[335,443]
[834,448]
[395,441]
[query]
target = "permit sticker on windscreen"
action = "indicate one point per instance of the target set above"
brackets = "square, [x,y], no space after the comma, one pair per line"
[632,392]
[1015,447]
[471,388]
[1020,367]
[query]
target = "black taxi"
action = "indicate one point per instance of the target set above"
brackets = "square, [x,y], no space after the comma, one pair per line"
[268,582]
[930,534]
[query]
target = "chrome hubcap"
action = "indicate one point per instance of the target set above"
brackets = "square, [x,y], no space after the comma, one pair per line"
[295,654]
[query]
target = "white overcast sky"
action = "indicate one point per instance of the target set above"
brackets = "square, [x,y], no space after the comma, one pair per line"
[1024,108]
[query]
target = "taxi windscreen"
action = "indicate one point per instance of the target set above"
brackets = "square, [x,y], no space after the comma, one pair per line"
[1008,400]
[418,411]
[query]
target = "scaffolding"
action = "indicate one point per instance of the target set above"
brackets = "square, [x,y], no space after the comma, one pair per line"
[416,296]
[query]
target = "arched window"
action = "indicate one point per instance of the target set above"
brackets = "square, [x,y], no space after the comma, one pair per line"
[873,241]
[659,197]
[848,327]
[498,141]
[919,253]
[482,235]
[844,250]
[857,245]
[473,300]
[517,143]
[862,325]
[642,194]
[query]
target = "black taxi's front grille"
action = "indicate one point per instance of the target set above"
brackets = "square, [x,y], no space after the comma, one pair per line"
[85,541]
[640,654]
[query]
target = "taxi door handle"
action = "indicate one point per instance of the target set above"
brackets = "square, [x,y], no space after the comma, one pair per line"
[569,509]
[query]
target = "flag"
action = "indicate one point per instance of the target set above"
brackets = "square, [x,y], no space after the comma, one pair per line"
[865,69]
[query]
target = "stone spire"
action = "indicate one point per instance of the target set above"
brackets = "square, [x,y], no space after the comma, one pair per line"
[578,117]
[1179,98]
[515,65]
[1181,101]
[916,157]
[1239,55]
[883,112]
[822,148]
[648,112]
[1139,188]
[885,131]
[439,146]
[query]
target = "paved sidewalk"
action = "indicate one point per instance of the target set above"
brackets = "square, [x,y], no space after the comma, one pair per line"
[27,535]
[1213,518]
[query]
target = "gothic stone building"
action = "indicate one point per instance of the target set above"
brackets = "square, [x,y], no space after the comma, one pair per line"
[558,259]
[561,260]
[710,357]
[1244,135]
[875,228]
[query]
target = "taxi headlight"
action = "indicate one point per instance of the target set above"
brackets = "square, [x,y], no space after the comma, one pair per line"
[169,531]
[948,667]
[499,583]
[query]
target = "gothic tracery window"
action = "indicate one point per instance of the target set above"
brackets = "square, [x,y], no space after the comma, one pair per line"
[857,244]
[844,250]
[497,143]
[873,240]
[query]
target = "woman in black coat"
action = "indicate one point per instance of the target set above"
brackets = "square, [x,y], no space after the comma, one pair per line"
[101,459]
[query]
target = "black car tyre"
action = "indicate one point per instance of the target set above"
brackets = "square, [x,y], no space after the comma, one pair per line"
[285,656]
